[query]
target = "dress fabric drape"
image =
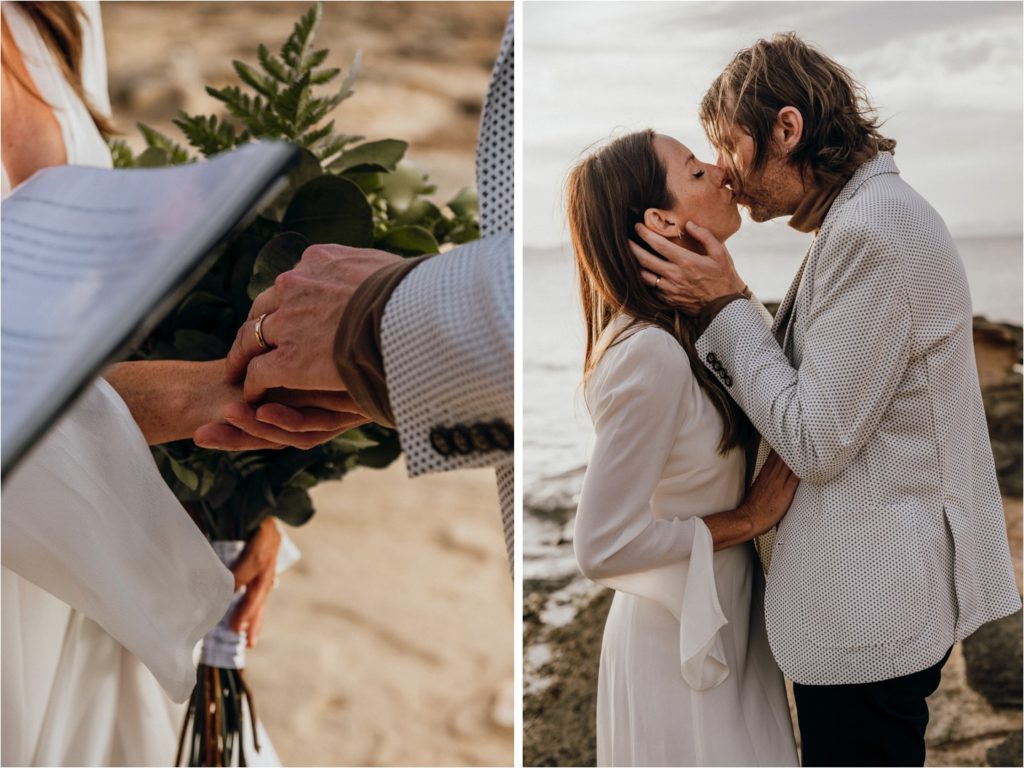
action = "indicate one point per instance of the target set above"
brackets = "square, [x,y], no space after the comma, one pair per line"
[107,584]
[686,676]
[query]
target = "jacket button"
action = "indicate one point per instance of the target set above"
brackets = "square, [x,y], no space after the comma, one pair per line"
[441,439]
[711,357]
[501,435]
[481,437]
[716,366]
[461,439]
[727,380]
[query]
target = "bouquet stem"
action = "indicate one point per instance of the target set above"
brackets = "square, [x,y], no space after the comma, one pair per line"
[215,718]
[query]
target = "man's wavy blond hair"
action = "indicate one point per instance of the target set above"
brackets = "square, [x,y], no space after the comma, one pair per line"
[841,128]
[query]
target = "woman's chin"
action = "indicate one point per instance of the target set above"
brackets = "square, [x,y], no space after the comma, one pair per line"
[734,227]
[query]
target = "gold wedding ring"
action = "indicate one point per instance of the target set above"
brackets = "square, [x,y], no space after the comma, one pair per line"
[259,332]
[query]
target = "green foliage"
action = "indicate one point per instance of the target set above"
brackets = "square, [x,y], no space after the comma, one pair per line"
[344,190]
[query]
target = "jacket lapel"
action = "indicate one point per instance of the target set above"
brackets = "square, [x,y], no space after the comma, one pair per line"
[881,163]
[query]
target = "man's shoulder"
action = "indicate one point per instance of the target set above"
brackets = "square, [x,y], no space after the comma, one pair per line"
[885,207]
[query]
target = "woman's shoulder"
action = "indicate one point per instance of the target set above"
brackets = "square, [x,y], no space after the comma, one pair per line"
[642,342]
[643,352]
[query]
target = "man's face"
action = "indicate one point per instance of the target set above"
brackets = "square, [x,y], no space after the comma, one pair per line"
[766,193]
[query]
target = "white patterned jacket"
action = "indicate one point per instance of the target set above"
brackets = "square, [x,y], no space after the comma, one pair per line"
[895,546]
[447,334]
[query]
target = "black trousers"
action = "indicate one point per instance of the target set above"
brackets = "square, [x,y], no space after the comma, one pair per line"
[869,724]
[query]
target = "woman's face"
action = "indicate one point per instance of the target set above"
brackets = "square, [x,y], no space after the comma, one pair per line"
[699,192]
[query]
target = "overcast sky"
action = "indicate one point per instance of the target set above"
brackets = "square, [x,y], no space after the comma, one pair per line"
[947,77]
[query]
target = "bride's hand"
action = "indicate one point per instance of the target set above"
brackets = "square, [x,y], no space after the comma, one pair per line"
[771,494]
[294,418]
[256,570]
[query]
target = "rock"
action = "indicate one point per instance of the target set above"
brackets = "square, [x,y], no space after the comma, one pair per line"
[993,660]
[559,722]
[1009,752]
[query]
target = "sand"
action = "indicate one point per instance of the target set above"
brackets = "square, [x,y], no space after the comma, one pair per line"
[391,642]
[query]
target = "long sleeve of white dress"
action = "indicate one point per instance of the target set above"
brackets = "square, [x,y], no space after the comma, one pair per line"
[638,397]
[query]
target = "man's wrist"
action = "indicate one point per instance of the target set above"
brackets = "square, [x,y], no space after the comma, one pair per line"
[357,351]
[710,311]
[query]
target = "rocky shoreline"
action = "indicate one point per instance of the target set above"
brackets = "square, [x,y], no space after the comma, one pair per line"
[975,713]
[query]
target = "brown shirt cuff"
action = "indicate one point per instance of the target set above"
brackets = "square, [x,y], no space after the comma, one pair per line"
[357,351]
[710,310]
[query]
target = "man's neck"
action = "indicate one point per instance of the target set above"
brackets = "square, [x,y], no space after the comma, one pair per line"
[812,209]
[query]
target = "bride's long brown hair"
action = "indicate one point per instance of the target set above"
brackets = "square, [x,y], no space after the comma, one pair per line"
[60,26]
[607,193]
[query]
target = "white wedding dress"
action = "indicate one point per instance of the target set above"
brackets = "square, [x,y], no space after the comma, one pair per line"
[686,674]
[107,584]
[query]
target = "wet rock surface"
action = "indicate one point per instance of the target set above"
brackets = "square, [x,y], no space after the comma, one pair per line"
[1009,752]
[993,659]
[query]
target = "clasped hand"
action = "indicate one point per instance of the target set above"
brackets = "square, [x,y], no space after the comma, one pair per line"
[293,393]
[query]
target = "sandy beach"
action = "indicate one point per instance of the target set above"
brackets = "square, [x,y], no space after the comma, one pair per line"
[390,642]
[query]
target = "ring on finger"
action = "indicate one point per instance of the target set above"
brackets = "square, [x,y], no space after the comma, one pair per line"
[657,282]
[259,332]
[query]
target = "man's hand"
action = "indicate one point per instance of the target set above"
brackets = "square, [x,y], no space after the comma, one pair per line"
[301,313]
[683,278]
[294,418]
[766,504]
[770,495]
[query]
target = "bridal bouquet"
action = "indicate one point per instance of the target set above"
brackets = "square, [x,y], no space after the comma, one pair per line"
[345,190]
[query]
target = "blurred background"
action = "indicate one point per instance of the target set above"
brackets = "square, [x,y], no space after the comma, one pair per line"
[947,80]
[390,643]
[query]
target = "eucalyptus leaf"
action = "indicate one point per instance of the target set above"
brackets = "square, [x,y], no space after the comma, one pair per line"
[307,169]
[383,155]
[353,440]
[421,212]
[330,209]
[207,478]
[404,185]
[369,182]
[188,478]
[382,454]
[192,344]
[465,203]
[201,308]
[279,255]
[409,241]
[153,157]
[293,506]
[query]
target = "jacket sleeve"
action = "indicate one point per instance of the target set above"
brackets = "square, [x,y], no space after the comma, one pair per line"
[447,344]
[858,343]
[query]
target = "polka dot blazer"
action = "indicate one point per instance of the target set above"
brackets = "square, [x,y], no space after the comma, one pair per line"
[447,334]
[895,546]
